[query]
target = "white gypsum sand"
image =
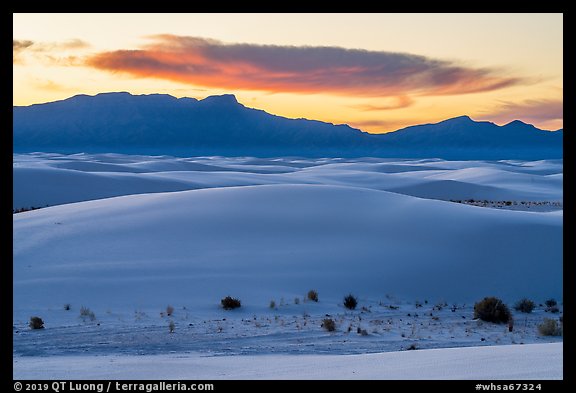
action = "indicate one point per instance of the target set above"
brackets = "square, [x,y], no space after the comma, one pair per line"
[131,235]
[510,362]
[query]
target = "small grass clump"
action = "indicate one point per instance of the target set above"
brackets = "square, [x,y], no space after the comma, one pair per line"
[551,306]
[350,302]
[492,309]
[85,312]
[36,323]
[549,327]
[312,295]
[362,332]
[550,303]
[524,305]
[230,303]
[329,324]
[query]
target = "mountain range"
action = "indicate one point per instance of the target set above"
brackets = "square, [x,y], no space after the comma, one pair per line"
[220,125]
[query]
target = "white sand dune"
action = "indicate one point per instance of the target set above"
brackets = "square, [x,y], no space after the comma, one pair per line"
[510,362]
[129,235]
[197,244]
[49,179]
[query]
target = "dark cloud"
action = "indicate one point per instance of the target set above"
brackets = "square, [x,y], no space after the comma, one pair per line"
[304,69]
[18,45]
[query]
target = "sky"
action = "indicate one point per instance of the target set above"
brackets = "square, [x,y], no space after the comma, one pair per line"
[375,72]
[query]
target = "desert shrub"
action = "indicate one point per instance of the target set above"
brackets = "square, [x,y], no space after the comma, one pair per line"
[329,324]
[491,309]
[36,323]
[67,307]
[230,303]
[85,312]
[350,302]
[524,305]
[553,309]
[550,303]
[169,310]
[312,295]
[272,304]
[549,327]
[171,326]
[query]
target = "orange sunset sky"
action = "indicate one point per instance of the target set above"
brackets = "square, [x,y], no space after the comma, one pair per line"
[376,72]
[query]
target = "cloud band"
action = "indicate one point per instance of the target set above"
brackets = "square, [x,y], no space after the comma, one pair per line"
[297,69]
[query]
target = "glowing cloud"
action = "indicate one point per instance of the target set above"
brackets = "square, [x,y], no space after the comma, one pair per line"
[19,46]
[46,51]
[398,103]
[298,69]
[549,112]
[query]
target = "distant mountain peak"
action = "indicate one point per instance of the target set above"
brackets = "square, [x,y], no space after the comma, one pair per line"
[226,99]
[110,93]
[517,123]
[119,97]
[459,119]
[520,126]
